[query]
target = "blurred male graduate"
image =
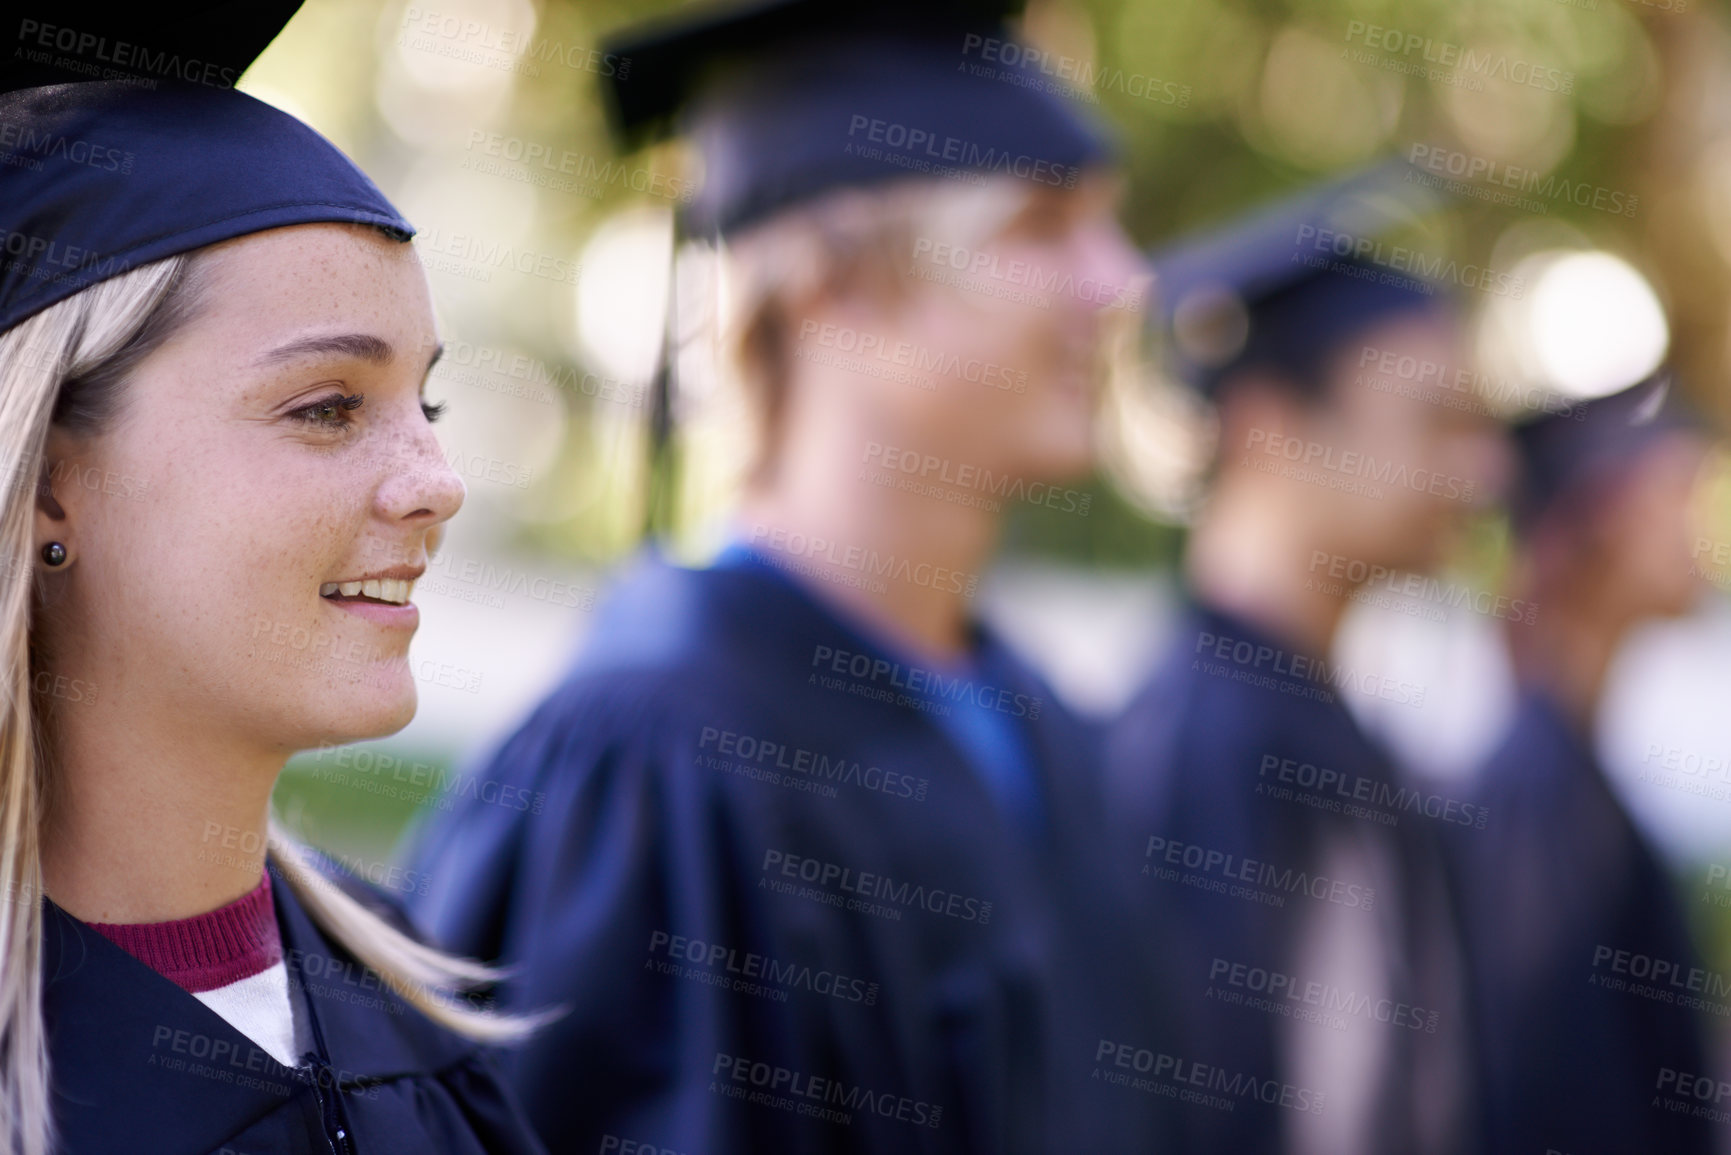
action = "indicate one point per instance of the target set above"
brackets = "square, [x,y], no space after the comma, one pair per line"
[821,864]
[1567,899]
[1320,970]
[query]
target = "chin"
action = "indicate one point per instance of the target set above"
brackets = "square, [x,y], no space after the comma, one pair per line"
[374,707]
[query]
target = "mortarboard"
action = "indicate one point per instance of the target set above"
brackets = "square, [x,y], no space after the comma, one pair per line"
[789,99]
[1285,287]
[123,141]
[1557,452]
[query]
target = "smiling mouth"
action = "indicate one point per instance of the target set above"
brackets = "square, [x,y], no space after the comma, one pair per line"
[380,591]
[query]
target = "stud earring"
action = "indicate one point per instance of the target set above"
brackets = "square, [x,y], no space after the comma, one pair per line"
[54,554]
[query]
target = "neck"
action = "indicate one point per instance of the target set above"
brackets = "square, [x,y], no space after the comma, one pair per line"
[1248,556]
[1566,652]
[150,819]
[906,564]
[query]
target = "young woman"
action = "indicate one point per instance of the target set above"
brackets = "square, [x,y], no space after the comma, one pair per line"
[222,484]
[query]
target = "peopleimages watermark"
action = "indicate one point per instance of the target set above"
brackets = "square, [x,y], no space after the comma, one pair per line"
[506,371]
[482,581]
[1717,889]
[1189,1081]
[930,690]
[1660,980]
[1012,62]
[976,269]
[470,256]
[1406,266]
[1308,1000]
[813,1095]
[312,648]
[908,356]
[623,1146]
[565,170]
[1349,470]
[478,42]
[944,480]
[1302,676]
[1533,191]
[924,150]
[51,259]
[1367,582]
[782,764]
[866,891]
[416,447]
[1359,796]
[47,684]
[1250,879]
[751,973]
[1453,387]
[1689,771]
[195,1053]
[1461,65]
[1259,664]
[98,57]
[420,782]
[231,846]
[853,565]
[1688,1093]
[1717,568]
[28,476]
[31,146]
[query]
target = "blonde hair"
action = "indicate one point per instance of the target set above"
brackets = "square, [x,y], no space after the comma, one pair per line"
[68,365]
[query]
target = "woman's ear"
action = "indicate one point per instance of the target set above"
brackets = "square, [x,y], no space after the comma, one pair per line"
[53,523]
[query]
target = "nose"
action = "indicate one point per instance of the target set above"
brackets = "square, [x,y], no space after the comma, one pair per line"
[418,486]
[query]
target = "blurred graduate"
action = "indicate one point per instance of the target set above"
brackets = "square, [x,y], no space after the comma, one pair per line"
[821,865]
[1563,887]
[1318,963]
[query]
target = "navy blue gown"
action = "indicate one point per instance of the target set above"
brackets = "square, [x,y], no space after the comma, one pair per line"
[1566,896]
[784,910]
[1215,780]
[141,1066]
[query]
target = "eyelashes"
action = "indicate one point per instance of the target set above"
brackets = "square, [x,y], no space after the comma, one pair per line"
[330,412]
[333,412]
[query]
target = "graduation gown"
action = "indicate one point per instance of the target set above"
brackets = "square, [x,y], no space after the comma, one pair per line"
[781,906]
[1559,877]
[1203,767]
[140,1065]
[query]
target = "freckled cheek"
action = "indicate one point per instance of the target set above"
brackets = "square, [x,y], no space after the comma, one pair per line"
[267,532]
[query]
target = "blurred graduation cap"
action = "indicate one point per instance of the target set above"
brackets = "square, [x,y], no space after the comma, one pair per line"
[1283,288]
[123,141]
[788,100]
[1560,452]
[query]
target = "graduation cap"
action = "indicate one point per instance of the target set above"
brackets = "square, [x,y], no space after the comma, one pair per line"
[123,141]
[1284,288]
[1559,451]
[788,100]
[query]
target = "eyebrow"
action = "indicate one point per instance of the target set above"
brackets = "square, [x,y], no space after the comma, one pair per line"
[358,346]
